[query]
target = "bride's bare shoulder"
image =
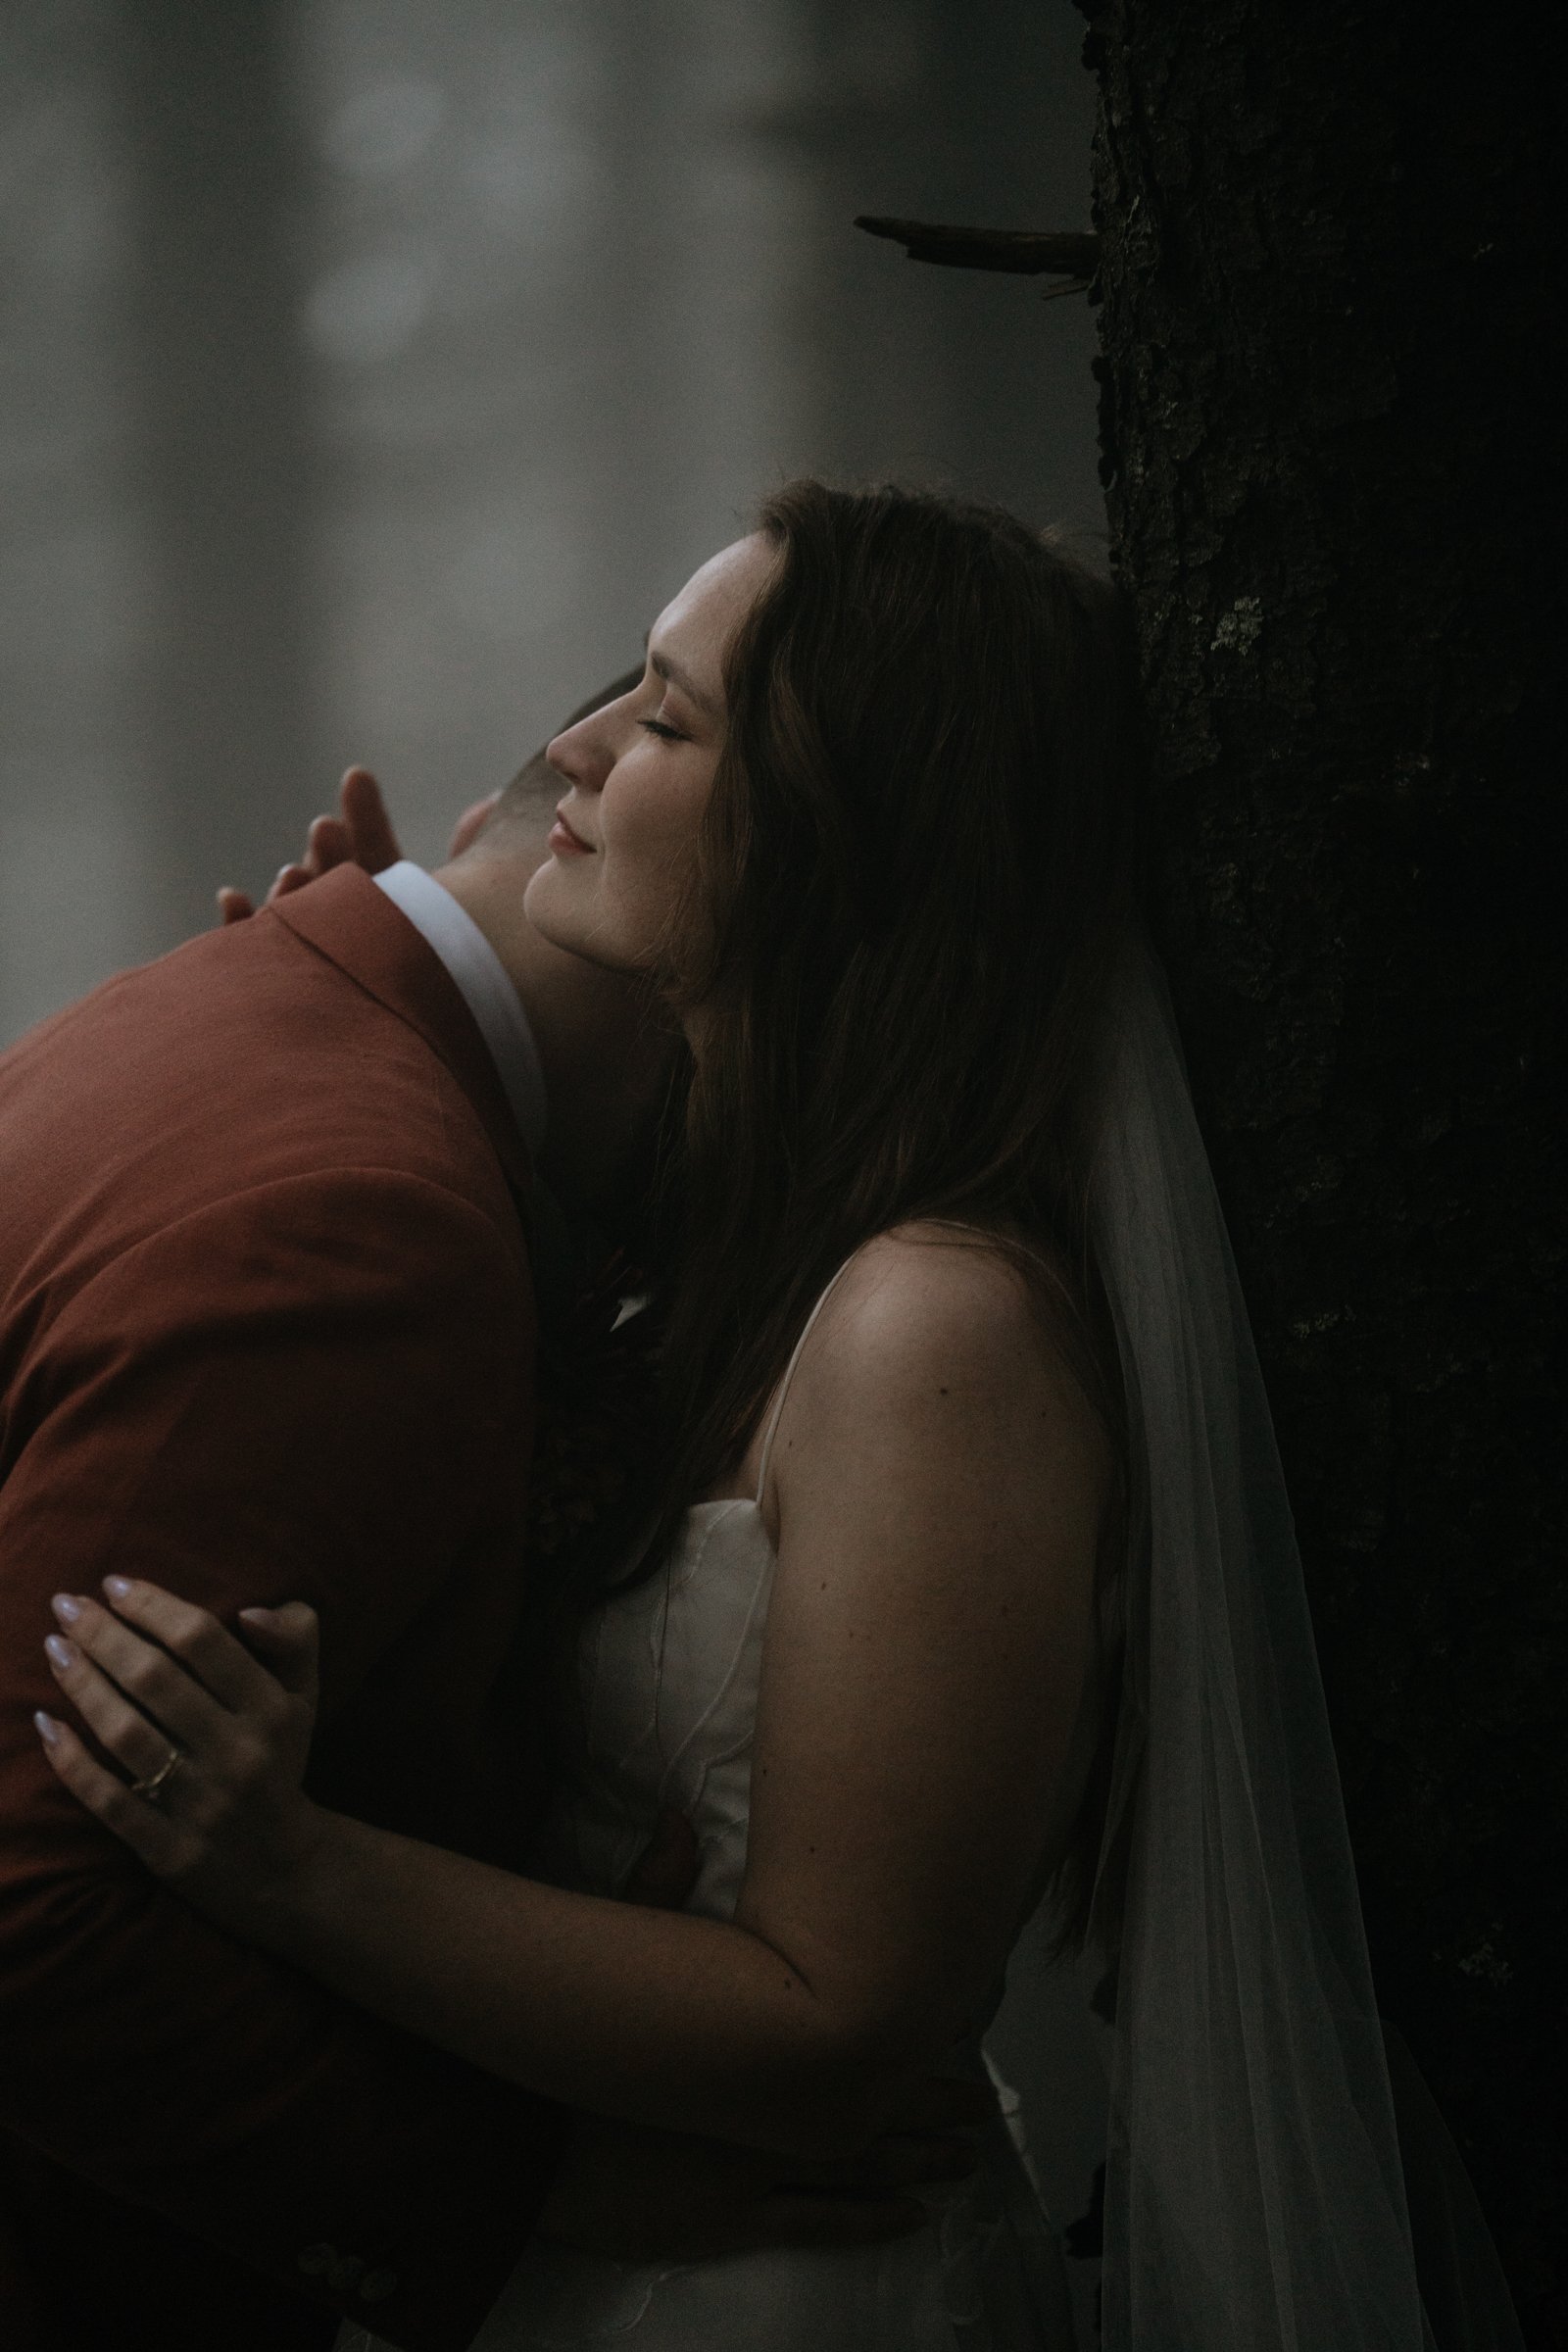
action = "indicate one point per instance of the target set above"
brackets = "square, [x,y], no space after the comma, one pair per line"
[930,1315]
[930,1285]
[929,1269]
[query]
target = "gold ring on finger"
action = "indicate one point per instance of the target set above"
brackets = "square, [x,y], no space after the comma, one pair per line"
[151,1789]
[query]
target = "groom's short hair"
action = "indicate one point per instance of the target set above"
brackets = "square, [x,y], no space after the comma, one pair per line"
[537,786]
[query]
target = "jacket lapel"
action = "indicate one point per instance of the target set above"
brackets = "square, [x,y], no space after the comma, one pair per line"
[356,926]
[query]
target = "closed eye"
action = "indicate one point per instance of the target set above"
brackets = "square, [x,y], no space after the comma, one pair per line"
[656,726]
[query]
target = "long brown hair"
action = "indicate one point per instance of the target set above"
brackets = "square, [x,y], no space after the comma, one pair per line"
[923,842]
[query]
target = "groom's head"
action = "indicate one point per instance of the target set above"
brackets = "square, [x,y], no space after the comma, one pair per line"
[514,822]
[606,1049]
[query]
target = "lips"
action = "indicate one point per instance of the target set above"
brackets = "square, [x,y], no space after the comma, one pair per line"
[566,837]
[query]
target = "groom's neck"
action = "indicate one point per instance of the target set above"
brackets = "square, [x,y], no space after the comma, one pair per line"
[604,1049]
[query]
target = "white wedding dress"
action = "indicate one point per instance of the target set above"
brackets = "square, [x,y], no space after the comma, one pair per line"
[670,1671]
[1254,2192]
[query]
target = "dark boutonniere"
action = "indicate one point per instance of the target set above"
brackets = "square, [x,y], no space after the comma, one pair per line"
[596,1419]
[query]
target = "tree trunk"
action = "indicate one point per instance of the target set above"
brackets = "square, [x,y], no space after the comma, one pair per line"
[1333,355]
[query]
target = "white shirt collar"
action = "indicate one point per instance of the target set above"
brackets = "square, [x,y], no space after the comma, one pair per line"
[481,979]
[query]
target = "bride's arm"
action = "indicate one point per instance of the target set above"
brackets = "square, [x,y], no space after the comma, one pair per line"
[939,1486]
[941,1489]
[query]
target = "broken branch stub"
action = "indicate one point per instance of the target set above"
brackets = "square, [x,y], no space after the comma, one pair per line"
[1024,252]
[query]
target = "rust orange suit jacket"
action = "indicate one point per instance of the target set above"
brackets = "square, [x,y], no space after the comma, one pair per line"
[266,1329]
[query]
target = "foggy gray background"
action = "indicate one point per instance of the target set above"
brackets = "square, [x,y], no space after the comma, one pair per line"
[372,371]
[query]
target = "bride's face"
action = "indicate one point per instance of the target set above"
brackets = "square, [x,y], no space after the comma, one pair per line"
[640,771]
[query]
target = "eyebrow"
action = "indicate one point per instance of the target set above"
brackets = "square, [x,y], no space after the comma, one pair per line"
[662,667]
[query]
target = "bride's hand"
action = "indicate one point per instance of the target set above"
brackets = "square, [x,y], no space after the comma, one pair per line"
[360,834]
[213,1742]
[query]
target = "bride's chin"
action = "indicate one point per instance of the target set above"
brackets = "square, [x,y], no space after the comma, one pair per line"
[565,914]
[542,904]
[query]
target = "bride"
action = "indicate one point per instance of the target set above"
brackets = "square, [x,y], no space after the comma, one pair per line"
[968,1581]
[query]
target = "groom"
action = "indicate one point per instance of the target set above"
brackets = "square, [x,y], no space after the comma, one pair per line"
[267,1324]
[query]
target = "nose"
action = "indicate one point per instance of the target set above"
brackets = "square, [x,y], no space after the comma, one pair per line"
[581,755]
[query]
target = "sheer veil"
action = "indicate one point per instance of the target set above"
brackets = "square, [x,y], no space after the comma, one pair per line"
[1255,2191]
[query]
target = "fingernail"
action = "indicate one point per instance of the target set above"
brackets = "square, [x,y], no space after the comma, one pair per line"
[260,1617]
[117,1587]
[63,1655]
[65,1607]
[46,1728]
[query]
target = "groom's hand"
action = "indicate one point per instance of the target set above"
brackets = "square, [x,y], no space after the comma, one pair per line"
[635,2194]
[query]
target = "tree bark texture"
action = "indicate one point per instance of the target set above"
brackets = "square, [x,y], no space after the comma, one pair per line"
[1333,361]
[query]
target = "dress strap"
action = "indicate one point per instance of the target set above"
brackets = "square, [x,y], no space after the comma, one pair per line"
[987,1234]
[789,1371]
